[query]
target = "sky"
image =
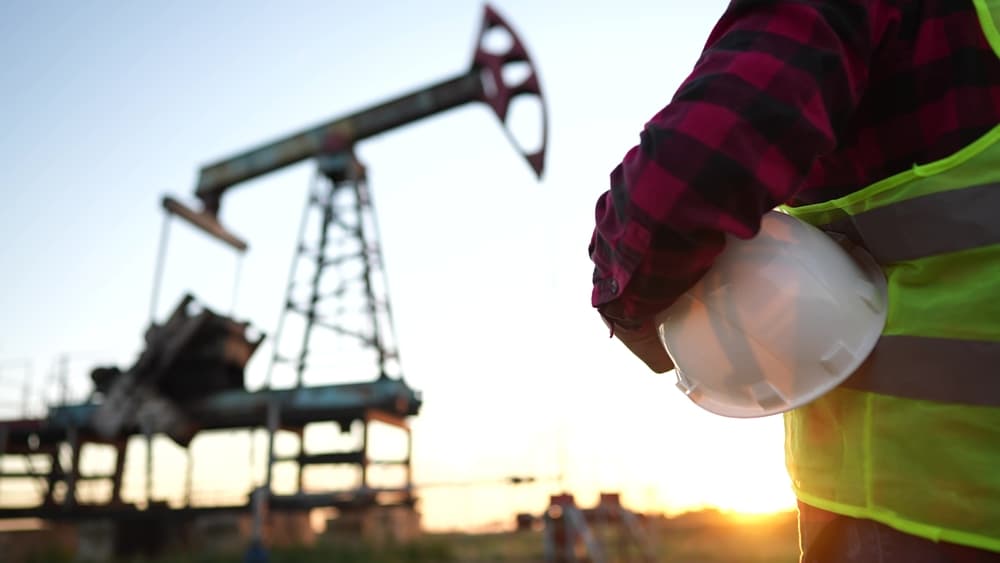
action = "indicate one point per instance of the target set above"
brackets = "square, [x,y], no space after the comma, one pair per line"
[108,106]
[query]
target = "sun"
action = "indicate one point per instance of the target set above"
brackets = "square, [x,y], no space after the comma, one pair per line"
[735,466]
[756,485]
[768,499]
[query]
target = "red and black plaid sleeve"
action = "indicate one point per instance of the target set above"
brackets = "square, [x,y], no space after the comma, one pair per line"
[778,109]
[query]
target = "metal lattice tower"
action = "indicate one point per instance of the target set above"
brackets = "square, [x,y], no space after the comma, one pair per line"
[337,299]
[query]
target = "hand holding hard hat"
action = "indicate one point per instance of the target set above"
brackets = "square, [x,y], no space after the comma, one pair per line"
[779,320]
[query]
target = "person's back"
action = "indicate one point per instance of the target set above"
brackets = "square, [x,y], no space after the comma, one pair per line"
[875,120]
[933,87]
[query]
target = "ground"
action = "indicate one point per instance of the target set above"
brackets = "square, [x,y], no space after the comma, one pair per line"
[703,537]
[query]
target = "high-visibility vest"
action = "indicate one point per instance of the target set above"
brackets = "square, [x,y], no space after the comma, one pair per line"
[912,439]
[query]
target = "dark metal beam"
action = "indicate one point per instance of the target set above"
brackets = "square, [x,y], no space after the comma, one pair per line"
[332,458]
[204,221]
[484,82]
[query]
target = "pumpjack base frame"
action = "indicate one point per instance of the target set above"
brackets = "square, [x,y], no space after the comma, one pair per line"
[387,401]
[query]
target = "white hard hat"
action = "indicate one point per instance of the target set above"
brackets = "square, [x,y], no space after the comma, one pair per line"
[779,320]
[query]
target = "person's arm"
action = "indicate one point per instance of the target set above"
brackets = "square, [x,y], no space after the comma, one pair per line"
[774,88]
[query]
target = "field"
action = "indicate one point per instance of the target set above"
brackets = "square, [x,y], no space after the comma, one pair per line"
[702,537]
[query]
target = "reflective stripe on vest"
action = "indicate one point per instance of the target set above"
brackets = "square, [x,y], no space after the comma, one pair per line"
[934,224]
[939,246]
[932,369]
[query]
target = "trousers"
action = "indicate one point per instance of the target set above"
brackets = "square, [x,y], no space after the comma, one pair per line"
[826,537]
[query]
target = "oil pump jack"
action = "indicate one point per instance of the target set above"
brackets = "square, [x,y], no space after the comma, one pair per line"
[190,376]
[331,145]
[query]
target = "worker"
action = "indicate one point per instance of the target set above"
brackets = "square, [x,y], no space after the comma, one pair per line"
[877,120]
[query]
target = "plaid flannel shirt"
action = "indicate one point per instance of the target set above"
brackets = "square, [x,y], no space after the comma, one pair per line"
[790,102]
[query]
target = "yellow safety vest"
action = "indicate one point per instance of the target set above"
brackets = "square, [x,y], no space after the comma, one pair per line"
[912,439]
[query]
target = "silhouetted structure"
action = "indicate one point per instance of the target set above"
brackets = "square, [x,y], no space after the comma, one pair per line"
[190,376]
[608,532]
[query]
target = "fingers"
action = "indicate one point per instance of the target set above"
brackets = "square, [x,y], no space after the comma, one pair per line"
[646,345]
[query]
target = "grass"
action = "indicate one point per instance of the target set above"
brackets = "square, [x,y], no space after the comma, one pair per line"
[704,537]
[425,550]
[765,539]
